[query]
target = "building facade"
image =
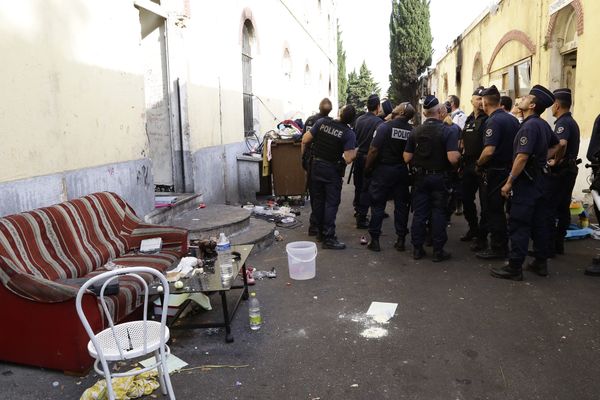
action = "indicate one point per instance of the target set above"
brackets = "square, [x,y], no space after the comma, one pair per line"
[142,95]
[517,44]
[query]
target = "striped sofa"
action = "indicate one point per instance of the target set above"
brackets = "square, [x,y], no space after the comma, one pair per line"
[73,239]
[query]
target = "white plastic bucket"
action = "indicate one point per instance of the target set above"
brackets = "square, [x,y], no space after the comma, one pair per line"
[302,260]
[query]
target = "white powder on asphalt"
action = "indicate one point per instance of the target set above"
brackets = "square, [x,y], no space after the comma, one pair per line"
[372,325]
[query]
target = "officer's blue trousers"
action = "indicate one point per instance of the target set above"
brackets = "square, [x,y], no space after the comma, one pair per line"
[362,199]
[495,209]
[562,189]
[326,190]
[471,182]
[529,216]
[389,181]
[430,198]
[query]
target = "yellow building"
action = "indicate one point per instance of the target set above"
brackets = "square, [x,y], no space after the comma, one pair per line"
[519,43]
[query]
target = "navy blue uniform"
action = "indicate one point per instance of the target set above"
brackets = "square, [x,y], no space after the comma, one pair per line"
[529,212]
[500,131]
[431,187]
[455,196]
[331,139]
[390,176]
[564,176]
[472,138]
[365,127]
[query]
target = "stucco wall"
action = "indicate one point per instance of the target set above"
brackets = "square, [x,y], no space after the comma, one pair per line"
[531,19]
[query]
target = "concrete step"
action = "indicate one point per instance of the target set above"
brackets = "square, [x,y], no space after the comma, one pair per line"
[259,233]
[204,223]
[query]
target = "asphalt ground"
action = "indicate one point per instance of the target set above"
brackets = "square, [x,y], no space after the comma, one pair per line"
[457,333]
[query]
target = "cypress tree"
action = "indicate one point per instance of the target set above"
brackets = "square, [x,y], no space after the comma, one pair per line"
[410,48]
[341,66]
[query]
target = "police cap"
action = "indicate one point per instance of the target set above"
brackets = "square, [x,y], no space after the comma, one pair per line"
[430,101]
[478,91]
[544,97]
[387,107]
[563,94]
[491,91]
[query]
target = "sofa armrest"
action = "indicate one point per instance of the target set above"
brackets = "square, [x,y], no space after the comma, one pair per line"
[38,289]
[173,238]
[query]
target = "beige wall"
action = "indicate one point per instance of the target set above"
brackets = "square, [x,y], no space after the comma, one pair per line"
[215,67]
[532,18]
[72,86]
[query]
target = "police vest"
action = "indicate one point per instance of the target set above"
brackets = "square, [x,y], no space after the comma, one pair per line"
[328,143]
[396,136]
[430,149]
[473,138]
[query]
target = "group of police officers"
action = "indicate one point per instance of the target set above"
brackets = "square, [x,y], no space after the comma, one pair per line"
[524,170]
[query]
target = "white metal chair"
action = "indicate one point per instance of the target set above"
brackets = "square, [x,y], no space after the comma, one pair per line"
[130,339]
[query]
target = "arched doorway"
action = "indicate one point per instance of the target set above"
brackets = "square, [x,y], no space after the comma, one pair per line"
[564,29]
[477,71]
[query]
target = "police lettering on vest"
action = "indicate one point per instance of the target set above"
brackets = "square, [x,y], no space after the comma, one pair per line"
[390,139]
[330,138]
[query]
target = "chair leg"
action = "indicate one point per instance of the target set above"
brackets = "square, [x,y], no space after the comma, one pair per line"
[108,379]
[160,367]
[165,379]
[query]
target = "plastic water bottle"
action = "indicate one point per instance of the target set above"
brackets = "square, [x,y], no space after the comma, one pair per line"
[224,258]
[254,312]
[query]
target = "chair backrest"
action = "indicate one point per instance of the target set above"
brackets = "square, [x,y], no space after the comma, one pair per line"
[107,278]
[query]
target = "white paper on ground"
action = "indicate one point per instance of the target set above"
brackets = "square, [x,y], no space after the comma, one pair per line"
[174,363]
[382,312]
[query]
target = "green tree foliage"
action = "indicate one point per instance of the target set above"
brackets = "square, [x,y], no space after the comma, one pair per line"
[360,87]
[410,48]
[341,65]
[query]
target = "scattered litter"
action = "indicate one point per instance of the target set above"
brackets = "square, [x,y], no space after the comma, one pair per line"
[265,274]
[363,240]
[315,297]
[55,384]
[7,373]
[238,383]
[174,363]
[382,312]
[212,366]
[201,205]
[354,385]
[127,387]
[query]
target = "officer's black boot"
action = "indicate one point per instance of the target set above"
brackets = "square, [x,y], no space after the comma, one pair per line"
[332,243]
[480,244]
[374,245]
[539,266]
[594,269]
[362,222]
[418,252]
[511,270]
[492,254]
[470,235]
[441,255]
[400,244]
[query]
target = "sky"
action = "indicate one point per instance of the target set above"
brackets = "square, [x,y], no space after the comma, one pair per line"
[365,31]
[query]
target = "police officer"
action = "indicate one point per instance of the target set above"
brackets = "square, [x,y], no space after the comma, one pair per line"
[564,165]
[432,150]
[472,145]
[389,179]
[495,161]
[365,126]
[334,146]
[325,108]
[527,181]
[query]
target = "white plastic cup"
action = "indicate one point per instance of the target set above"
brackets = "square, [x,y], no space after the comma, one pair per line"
[302,260]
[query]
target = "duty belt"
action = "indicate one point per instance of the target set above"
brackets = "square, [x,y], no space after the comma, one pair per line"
[324,160]
[423,171]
